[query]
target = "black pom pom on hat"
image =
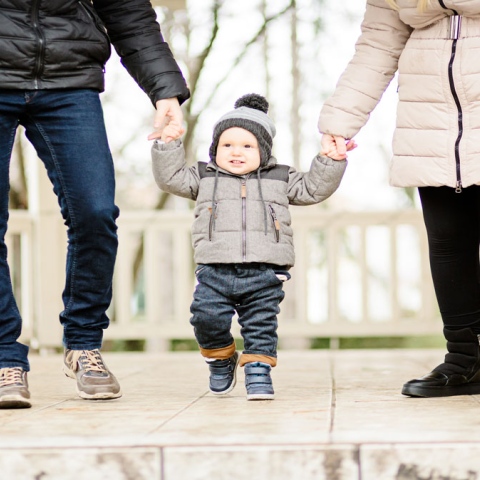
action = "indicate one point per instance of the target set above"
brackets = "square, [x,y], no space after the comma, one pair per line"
[253,100]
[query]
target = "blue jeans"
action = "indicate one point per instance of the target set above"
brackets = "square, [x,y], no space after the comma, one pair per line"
[252,290]
[67,130]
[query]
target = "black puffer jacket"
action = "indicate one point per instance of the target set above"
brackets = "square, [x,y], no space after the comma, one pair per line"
[46,44]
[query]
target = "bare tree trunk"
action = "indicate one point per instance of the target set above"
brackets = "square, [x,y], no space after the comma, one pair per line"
[266,58]
[296,85]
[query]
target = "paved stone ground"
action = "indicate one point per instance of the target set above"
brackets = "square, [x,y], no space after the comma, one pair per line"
[338,415]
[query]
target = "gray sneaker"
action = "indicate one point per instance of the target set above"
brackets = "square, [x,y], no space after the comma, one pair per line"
[14,388]
[94,380]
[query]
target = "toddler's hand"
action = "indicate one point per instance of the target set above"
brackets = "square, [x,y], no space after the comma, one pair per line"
[336,147]
[172,131]
[167,110]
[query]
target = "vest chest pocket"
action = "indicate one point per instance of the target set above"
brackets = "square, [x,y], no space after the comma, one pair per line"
[275,222]
[213,216]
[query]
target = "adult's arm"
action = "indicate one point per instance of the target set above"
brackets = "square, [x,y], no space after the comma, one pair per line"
[368,74]
[135,34]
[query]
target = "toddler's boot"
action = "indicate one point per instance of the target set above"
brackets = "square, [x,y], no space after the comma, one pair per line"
[223,374]
[258,381]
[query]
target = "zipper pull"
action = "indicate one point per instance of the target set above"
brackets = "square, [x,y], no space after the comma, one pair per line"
[277,230]
[455,27]
[244,189]
[458,188]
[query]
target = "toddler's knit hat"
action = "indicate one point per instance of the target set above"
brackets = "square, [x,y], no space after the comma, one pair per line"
[250,113]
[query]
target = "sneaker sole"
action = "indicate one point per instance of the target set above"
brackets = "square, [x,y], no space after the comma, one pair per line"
[261,396]
[232,386]
[98,396]
[14,401]
[90,396]
[427,392]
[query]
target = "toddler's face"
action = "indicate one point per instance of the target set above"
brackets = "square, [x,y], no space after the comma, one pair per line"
[237,151]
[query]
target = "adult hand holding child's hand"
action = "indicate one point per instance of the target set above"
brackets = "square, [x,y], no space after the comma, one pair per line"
[172,131]
[336,147]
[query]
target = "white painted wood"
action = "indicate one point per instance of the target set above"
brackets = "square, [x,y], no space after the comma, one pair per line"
[49,242]
[169,278]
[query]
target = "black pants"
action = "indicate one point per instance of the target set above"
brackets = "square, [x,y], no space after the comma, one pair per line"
[453,228]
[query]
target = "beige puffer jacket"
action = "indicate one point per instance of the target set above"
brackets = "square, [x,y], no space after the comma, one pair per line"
[437,139]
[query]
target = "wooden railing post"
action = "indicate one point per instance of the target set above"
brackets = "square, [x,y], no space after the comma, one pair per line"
[49,250]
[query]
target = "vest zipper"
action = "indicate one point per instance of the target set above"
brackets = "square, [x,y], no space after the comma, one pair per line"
[38,69]
[243,192]
[454,34]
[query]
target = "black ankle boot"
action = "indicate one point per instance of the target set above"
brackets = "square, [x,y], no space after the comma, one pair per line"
[458,375]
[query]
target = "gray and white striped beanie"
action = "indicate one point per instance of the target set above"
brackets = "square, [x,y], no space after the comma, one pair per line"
[250,113]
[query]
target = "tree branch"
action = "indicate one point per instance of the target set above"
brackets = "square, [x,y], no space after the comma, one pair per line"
[260,32]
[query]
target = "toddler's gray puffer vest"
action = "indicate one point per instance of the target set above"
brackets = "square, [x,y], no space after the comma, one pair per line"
[243,219]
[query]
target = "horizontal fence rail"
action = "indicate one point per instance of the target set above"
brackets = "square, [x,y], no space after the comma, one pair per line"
[356,274]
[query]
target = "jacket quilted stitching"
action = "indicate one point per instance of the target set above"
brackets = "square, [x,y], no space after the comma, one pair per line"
[66,43]
[437,136]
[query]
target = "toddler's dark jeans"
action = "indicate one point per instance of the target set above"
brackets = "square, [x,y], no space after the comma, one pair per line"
[254,291]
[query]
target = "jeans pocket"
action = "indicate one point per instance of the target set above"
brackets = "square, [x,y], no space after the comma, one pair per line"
[99,25]
[282,275]
[200,268]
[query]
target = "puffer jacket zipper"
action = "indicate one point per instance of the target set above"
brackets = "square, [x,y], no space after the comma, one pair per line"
[455,25]
[243,193]
[40,39]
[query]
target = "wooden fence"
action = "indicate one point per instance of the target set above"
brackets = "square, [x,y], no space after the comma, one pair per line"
[356,274]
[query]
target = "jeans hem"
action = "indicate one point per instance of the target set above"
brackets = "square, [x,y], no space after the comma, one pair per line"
[96,346]
[256,352]
[24,367]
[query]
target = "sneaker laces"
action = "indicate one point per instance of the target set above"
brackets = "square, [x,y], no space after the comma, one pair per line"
[11,376]
[90,360]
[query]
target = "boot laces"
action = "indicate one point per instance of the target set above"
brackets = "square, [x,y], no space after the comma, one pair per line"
[90,361]
[11,376]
